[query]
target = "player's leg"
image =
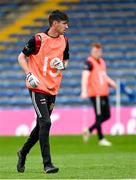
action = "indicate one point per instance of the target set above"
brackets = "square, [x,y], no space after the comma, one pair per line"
[50,104]
[96,101]
[31,141]
[105,116]
[40,102]
[99,106]
[105,108]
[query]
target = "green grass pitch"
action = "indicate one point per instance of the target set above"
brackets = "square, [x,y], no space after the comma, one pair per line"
[75,159]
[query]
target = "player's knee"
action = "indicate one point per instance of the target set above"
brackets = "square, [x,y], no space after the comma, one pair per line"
[48,123]
[107,116]
[44,122]
[98,122]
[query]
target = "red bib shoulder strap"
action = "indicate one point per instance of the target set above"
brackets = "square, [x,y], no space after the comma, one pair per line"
[38,41]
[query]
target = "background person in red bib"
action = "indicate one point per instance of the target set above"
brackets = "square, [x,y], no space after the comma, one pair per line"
[47,54]
[95,85]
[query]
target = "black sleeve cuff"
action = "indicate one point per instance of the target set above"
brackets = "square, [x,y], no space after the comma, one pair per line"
[29,47]
[87,66]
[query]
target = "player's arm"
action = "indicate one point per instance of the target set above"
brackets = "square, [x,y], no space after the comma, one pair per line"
[84,80]
[28,49]
[66,64]
[66,55]
[111,82]
[22,59]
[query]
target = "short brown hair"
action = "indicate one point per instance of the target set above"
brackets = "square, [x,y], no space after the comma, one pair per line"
[96,45]
[57,16]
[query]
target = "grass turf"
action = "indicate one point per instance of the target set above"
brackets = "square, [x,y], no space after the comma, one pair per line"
[75,159]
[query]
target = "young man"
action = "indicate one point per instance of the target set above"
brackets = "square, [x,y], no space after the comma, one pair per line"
[95,85]
[48,54]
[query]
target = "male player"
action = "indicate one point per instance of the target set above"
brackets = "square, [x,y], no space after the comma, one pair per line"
[95,85]
[43,59]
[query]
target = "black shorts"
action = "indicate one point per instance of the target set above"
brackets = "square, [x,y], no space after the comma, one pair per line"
[43,103]
[101,107]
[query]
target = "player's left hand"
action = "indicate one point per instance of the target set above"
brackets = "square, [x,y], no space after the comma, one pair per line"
[114,85]
[58,64]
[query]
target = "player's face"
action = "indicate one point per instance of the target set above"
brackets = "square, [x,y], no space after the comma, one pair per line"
[61,27]
[96,53]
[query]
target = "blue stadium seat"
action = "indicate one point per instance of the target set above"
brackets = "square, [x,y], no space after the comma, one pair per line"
[113,25]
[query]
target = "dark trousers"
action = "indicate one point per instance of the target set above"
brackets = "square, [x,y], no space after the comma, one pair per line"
[43,105]
[102,113]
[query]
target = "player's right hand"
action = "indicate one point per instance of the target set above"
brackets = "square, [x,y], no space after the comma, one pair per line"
[84,95]
[33,81]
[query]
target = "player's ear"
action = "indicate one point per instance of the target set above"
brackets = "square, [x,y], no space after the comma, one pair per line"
[55,23]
